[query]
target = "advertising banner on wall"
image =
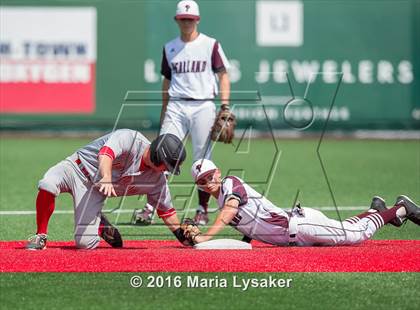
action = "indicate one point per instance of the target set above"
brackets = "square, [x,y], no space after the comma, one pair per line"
[47,60]
[312,50]
[56,60]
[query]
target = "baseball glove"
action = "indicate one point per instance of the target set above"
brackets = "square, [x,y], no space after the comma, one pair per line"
[223,129]
[190,229]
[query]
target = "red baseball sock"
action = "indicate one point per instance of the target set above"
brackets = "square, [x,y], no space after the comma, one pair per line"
[389,214]
[100,229]
[379,219]
[45,204]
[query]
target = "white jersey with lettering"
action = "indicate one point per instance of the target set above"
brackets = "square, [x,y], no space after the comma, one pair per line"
[259,219]
[191,67]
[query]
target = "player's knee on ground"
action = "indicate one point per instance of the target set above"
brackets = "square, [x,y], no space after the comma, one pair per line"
[86,242]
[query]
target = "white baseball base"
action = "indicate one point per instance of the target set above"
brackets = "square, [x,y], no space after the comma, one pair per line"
[223,244]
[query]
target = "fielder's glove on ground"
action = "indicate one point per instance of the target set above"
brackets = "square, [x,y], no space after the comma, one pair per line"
[190,230]
[223,129]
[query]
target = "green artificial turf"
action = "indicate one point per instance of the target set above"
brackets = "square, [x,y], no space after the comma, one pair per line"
[112,290]
[356,170]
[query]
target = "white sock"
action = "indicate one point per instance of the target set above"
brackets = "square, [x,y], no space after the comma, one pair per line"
[401,212]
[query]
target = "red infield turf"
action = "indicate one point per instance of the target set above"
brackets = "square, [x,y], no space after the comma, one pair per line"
[153,256]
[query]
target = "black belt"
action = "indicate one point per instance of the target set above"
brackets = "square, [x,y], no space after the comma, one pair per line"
[189,99]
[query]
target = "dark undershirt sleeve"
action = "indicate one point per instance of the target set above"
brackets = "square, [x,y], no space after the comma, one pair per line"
[165,70]
[217,64]
[233,196]
[237,191]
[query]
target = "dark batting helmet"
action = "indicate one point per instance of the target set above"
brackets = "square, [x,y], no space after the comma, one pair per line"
[168,149]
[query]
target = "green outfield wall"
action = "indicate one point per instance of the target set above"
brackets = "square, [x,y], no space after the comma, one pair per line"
[367,53]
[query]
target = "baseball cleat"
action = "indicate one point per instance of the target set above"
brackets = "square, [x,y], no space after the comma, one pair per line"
[413,211]
[142,217]
[201,218]
[110,233]
[378,204]
[37,242]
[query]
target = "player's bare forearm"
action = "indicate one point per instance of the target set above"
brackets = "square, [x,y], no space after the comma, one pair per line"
[224,85]
[225,216]
[172,222]
[105,171]
[165,98]
[105,166]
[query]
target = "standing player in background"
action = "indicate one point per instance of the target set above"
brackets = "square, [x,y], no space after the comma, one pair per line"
[192,65]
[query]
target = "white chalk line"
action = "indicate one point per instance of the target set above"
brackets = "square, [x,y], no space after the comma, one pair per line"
[32,212]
